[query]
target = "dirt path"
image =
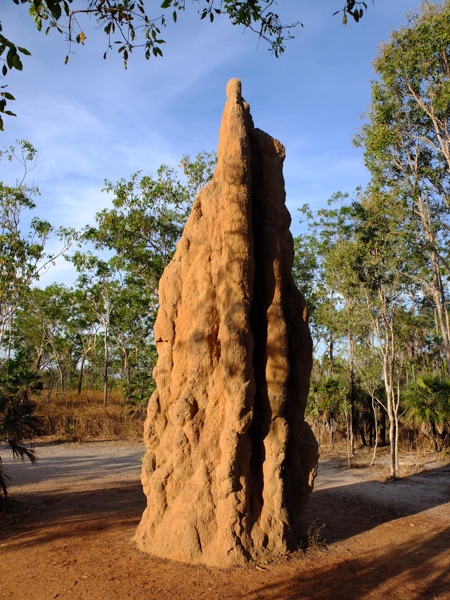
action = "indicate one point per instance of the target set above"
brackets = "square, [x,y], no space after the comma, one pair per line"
[69,536]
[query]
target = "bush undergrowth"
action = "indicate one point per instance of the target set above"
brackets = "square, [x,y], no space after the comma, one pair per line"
[74,417]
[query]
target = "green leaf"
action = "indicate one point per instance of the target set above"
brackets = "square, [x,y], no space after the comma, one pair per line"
[17,62]
[8,96]
[9,57]
[166,3]
[24,51]
[56,11]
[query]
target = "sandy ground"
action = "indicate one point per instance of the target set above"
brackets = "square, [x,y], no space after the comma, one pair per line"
[68,534]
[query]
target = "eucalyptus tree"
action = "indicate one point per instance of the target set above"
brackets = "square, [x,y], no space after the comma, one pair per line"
[102,283]
[84,327]
[148,217]
[307,273]
[369,369]
[42,331]
[116,294]
[23,257]
[351,321]
[54,306]
[27,340]
[311,250]
[121,311]
[323,271]
[407,145]
[379,263]
[135,314]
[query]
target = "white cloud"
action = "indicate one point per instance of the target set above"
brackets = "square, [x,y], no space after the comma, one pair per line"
[93,120]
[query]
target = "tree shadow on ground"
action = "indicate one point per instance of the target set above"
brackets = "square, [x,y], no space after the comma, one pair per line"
[415,569]
[84,467]
[418,570]
[361,506]
[39,517]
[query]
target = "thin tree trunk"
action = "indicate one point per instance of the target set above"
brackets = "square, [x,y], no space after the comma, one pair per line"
[80,375]
[9,339]
[375,446]
[348,424]
[439,301]
[126,369]
[383,429]
[351,394]
[331,347]
[392,439]
[105,370]
[388,381]
[38,361]
[363,433]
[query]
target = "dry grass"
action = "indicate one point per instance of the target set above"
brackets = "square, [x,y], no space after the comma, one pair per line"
[74,417]
[313,538]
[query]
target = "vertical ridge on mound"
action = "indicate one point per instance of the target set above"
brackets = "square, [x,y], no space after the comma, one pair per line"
[230,461]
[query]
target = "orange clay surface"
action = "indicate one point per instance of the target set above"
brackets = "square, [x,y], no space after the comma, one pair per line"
[68,534]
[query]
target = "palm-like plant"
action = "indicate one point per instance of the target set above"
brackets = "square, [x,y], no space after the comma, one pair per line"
[328,404]
[142,387]
[17,419]
[428,402]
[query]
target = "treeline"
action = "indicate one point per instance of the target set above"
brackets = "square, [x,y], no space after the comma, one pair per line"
[375,268]
[97,333]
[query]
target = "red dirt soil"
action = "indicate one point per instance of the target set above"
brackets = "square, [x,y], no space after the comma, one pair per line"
[68,534]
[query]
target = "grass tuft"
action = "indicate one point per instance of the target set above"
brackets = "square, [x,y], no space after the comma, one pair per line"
[313,538]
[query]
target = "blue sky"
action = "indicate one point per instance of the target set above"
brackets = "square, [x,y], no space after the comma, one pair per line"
[91,120]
